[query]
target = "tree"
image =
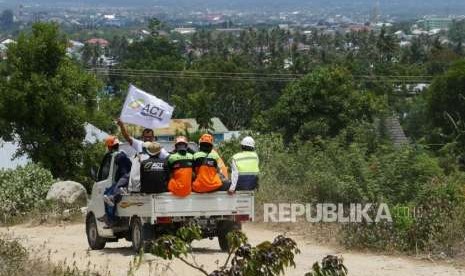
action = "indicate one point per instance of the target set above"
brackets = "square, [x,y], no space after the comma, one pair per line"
[45,100]
[457,31]
[387,45]
[154,26]
[197,105]
[153,53]
[322,103]
[6,19]
[118,46]
[446,107]
[233,101]
[440,58]
[91,54]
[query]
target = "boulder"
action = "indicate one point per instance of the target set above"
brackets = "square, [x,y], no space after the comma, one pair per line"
[68,192]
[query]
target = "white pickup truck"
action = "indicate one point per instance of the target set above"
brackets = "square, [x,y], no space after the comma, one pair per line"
[144,217]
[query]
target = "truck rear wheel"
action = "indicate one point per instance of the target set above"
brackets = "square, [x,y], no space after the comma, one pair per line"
[141,234]
[95,241]
[224,227]
[137,235]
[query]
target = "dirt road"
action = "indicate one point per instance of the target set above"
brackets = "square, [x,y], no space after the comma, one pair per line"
[68,243]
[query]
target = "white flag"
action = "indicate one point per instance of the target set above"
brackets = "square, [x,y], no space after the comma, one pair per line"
[143,109]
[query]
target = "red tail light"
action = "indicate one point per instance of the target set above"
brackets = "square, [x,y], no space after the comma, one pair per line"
[164,220]
[241,218]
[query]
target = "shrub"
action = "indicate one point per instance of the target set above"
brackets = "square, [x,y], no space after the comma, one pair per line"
[12,256]
[401,173]
[438,225]
[15,260]
[23,190]
[265,259]
[432,222]
[358,166]
[330,266]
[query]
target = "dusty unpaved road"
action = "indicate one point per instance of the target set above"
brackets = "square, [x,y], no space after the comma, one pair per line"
[68,243]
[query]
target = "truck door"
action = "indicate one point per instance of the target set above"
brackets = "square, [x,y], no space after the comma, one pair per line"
[104,180]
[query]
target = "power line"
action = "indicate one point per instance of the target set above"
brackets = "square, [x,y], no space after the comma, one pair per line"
[198,77]
[236,73]
[245,76]
[195,72]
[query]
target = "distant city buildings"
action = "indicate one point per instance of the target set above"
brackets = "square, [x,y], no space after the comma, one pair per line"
[184,31]
[4,44]
[432,23]
[298,27]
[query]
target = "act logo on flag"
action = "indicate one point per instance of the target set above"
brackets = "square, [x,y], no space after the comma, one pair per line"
[143,109]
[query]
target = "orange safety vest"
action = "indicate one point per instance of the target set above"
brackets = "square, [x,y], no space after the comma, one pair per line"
[223,168]
[180,166]
[207,178]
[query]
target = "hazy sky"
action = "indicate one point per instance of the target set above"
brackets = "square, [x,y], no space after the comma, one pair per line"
[328,3]
[387,6]
[7,151]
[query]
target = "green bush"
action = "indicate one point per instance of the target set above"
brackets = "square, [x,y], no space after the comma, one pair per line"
[267,258]
[331,170]
[16,260]
[432,223]
[23,190]
[440,220]
[12,256]
[400,174]
[358,166]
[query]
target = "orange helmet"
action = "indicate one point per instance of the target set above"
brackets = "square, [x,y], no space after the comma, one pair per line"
[181,139]
[206,138]
[111,141]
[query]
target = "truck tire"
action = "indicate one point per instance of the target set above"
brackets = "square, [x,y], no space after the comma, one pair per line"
[224,227]
[141,234]
[95,241]
[137,234]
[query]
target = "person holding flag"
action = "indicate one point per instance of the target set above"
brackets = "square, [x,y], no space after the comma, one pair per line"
[148,111]
[136,144]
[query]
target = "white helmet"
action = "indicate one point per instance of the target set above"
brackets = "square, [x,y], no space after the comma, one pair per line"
[248,142]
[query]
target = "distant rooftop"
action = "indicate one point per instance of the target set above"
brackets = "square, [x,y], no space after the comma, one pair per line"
[94,134]
[184,30]
[179,126]
[9,149]
[7,41]
[98,41]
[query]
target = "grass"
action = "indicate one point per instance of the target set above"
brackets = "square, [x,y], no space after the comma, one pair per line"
[16,260]
[51,213]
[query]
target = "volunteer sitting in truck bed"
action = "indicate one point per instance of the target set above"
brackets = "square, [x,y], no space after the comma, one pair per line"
[244,167]
[180,164]
[113,194]
[149,172]
[208,172]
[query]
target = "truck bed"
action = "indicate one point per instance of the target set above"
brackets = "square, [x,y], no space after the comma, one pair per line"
[153,206]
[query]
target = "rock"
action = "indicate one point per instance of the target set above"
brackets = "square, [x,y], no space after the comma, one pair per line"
[68,192]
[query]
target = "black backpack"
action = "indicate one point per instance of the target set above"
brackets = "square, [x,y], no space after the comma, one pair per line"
[153,175]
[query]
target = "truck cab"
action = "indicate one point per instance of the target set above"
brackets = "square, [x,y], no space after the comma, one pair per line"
[144,217]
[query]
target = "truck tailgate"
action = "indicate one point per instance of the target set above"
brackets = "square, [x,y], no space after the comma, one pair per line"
[209,204]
